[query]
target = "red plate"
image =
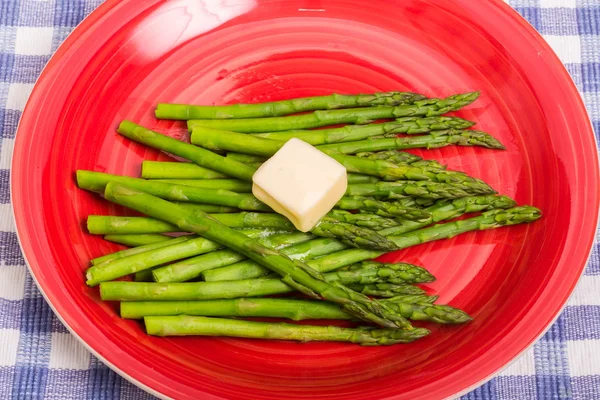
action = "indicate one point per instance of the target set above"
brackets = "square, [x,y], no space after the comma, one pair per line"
[129,55]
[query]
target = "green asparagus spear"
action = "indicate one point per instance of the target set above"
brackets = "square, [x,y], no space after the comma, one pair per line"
[428,108]
[293,309]
[349,133]
[221,140]
[441,314]
[208,208]
[352,235]
[285,107]
[188,291]
[112,225]
[100,224]
[294,273]
[224,261]
[296,310]
[138,239]
[487,220]
[374,272]
[387,290]
[367,220]
[358,178]
[177,170]
[245,158]
[448,209]
[393,156]
[148,259]
[96,181]
[140,249]
[413,299]
[401,157]
[187,325]
[342,258]
[144,275]
[203,158]
[396,209]
[233,185]
[428,164]
[459,138]
[328,227]
[422,189]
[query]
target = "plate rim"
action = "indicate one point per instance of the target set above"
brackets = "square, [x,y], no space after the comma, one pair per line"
[106,6]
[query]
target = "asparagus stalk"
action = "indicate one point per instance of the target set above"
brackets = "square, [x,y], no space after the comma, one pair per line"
[296,310]
[349,133]
[148,259]
[101,225]
[374,272]
[367,220]
[245,158]
[393,156]
[140,249]
[293,309]
[138,239]
[439,313]
[422,189]
[413,299]
[215,139]
[448,209]
[429,164]
[208,208]
[456,137]
[187,325]
[328,227]
[203,158]
[285,107]
[295,273]
[352,235]
[112,225]
[233,185]
[400,209]
[358,178]
[221,140]
[193,291]
[343,258]
[96,181]
[401,157]
[487,220]
[230,262]
[427,107]
[387,290]
[177,170]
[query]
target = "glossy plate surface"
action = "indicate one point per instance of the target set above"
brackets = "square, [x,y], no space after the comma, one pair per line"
[129,55]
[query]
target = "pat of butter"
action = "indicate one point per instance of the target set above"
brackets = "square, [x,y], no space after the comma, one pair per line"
[300,182]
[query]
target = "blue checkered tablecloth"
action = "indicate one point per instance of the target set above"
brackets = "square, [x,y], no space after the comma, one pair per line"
[39,359]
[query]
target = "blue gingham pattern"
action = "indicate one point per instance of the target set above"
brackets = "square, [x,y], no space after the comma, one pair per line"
[39,359]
